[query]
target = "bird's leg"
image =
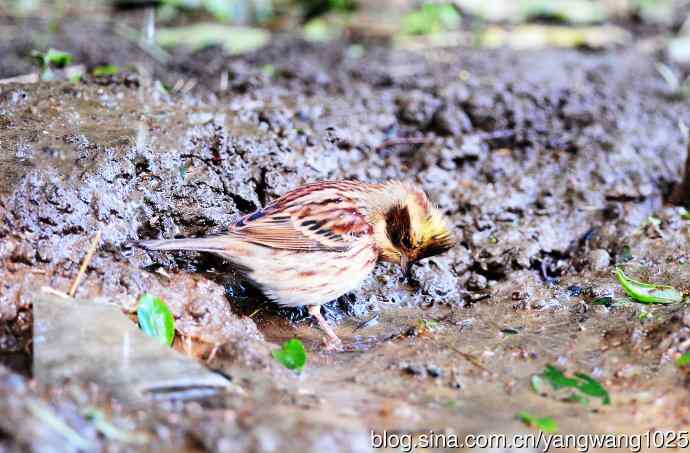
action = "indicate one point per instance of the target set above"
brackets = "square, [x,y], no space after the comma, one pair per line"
[333,342]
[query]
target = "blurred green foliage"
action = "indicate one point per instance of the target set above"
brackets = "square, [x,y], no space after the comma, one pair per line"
[52,58]
[654,11]
[431,18]
[234,38]
[106,70]
[221,10]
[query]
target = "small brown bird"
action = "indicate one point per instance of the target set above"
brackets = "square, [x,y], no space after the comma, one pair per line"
[321,240]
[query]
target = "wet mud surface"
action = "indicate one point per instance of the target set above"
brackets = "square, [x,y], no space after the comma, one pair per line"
[549,164]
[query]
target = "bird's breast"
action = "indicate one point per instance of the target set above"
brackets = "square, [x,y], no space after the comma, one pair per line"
[313,278]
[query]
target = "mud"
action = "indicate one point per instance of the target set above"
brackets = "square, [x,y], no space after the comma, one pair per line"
[550,165]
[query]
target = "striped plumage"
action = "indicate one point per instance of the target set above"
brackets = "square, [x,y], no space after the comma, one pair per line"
[320,241]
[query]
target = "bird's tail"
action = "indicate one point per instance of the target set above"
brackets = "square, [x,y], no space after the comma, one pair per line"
[208,244]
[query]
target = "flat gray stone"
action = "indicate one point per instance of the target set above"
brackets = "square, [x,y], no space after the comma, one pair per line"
[93,341]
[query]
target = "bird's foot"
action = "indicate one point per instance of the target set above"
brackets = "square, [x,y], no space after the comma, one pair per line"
[332,342]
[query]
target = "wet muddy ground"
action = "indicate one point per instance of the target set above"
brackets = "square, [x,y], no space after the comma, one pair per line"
[553,166]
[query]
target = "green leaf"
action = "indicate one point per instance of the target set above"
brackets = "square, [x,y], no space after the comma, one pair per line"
[591,387]
[320,30]
[342,6]
[557,379]
[606,301]
[291,354]
[582,382]
[431,18]
[156,319]
[644,315]
[683,360]
[430,324]
[235,39]
[648,293]
[106,70]
[546,424]
[222,10]
[572,11]
[53,57]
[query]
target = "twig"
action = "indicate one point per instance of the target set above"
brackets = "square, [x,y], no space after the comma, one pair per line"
[85,263]
[55,292]
[470,358]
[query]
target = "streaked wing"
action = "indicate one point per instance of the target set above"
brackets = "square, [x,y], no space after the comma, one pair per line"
[318,217]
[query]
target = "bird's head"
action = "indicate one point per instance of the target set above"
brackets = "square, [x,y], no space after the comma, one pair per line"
[409,228]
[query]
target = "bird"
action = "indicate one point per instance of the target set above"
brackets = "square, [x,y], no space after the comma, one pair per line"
[321,240]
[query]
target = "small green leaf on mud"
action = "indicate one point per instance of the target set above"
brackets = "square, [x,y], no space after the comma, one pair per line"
[684,214]
[107,70]
[582,382]
[648,293]
[426,325]
[291,354]
[683,360]
[590,386]
[156,319]
[606,301]
[546,424]
[557,379]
